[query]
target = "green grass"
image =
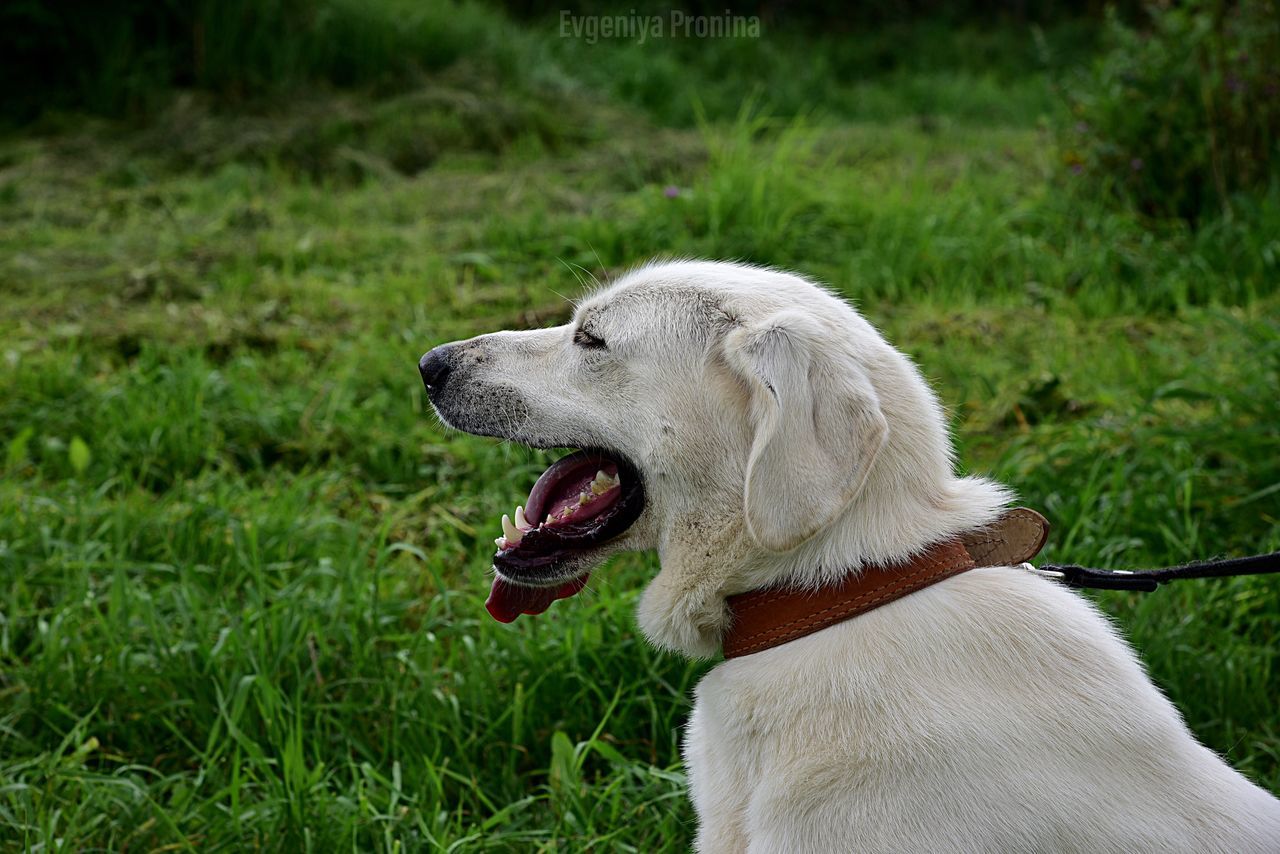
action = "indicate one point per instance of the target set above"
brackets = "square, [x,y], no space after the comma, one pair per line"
[242,569]
[121,58]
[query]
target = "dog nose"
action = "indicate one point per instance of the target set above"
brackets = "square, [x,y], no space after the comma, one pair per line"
[435,367]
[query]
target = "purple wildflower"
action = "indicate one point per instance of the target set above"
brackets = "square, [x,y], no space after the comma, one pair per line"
[671,192]
[1136,164]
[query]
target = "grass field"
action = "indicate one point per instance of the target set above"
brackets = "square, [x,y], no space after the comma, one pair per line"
[243,570]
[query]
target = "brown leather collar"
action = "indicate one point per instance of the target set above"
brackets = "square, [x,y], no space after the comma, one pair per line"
[766,618]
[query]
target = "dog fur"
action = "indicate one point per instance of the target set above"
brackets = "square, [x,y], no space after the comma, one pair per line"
[782,440]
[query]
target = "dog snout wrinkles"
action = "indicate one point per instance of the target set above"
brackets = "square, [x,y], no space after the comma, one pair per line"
[435,367]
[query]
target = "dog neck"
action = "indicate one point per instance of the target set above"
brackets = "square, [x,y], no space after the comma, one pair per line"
[707,560]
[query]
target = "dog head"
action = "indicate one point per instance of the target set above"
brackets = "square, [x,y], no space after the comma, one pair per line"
[727,415]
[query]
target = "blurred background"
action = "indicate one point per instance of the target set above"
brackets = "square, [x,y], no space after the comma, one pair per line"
[242,568]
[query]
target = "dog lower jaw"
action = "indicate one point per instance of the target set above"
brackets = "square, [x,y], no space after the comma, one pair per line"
[513,594]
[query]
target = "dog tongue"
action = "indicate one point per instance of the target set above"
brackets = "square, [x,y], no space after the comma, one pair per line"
[507,601]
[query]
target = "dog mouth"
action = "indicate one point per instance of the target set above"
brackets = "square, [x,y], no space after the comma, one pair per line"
[581,502]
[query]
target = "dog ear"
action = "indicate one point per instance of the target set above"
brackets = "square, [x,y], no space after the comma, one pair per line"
[818,428]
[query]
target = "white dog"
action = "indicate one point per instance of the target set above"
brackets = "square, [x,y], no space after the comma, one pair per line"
[757,432]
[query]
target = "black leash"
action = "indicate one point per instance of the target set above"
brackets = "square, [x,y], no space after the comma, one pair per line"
[1146,580]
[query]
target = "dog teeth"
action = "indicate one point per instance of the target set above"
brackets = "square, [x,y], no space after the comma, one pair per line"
[603,483]
[513,534]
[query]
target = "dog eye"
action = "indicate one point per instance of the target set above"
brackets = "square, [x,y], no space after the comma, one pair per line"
[583,338]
